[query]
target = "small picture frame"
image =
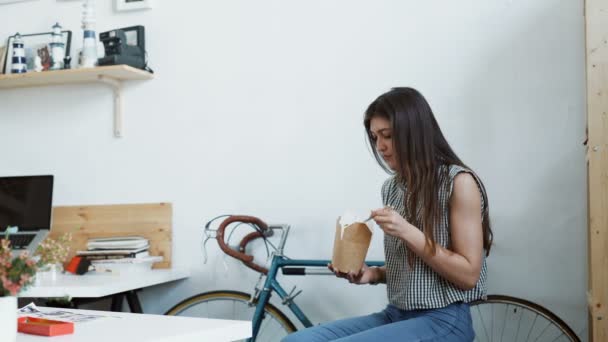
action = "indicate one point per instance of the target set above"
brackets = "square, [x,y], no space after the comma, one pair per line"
[132,5]
[35,44]
[2,57]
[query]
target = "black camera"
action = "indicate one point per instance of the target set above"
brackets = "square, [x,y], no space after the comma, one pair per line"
[124,46]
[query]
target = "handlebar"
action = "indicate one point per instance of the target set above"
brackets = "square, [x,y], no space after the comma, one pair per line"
[240,253]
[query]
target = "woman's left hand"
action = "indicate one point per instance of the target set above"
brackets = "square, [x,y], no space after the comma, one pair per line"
[391,222]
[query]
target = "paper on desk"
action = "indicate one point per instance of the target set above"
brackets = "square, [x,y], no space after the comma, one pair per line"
[32,310]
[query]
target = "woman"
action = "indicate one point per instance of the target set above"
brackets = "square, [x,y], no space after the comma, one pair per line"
[436,232]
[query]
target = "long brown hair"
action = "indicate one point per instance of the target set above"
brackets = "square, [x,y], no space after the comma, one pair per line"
[423,158]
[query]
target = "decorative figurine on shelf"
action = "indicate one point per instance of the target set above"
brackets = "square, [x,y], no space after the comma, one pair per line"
[18,61]
[89,45]
[37,64]
[57,48]
[45,57]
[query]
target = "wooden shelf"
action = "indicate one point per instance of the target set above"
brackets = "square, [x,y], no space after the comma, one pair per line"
[111,75]
[58,77]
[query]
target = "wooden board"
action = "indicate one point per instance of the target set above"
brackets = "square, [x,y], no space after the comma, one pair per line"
[152,221]
[596,17]
[85,75]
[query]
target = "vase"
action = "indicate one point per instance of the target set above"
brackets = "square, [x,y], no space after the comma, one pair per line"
[48,273]
[8,319]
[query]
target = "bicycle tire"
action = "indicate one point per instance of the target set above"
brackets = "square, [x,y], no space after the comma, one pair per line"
[523,306]
[235,296]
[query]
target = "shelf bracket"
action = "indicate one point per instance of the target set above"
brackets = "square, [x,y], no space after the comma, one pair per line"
[116,86]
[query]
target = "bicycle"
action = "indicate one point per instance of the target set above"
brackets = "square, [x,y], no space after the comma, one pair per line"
[497,318]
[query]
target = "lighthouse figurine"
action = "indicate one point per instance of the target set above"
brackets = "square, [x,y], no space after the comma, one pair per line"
[57,48]
[18,61]
[89,44]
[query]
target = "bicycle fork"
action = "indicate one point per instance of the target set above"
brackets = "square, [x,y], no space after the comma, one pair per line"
[263,297]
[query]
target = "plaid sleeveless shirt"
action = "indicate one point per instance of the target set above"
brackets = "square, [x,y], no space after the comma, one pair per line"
[418,286]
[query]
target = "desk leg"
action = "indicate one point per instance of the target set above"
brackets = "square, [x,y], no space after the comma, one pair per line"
[134,303]
[132,299]
[117,300]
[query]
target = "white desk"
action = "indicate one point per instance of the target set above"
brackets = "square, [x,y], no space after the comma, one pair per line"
[98,285]
[129,327]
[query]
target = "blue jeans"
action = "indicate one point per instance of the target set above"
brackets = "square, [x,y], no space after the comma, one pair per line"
[451,324]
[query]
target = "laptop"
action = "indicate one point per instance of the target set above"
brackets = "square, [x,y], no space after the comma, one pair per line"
[26,204]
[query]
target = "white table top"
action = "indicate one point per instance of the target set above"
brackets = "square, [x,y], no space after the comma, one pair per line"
[97,284]
[128,327]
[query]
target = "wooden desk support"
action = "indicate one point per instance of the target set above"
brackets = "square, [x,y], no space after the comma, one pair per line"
[152,221]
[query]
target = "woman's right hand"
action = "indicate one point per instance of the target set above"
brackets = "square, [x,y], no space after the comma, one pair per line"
[367,275]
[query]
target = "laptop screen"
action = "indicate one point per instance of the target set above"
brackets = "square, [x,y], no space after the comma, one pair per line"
[26,202]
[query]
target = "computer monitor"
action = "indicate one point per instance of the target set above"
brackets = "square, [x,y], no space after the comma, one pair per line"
[26,202]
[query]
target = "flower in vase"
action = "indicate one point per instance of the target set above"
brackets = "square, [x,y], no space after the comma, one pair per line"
[16,273]
[54,251]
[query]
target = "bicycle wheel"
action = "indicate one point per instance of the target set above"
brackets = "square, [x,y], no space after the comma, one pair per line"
[510,319]
[235,305]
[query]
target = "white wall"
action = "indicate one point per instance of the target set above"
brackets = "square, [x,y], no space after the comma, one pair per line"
[257,108]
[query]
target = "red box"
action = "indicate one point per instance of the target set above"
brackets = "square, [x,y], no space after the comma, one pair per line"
[44,327]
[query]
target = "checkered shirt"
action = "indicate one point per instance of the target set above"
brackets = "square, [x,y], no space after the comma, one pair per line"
[418,286]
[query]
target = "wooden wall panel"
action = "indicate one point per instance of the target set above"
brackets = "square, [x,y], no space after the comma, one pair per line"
[152,221]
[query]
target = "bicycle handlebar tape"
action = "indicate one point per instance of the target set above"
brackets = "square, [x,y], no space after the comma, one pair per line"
[294,270]
[78,265]
[240,254]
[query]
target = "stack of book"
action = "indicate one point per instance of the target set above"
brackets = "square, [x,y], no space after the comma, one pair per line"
[110,252]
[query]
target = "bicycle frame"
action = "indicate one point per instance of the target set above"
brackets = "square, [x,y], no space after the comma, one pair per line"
[272,285]
[278,261]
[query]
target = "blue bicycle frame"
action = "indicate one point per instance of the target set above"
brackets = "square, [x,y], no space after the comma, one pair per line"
[271,284]
[279,261]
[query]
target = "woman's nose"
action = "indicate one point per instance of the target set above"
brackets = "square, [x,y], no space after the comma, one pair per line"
[380,146]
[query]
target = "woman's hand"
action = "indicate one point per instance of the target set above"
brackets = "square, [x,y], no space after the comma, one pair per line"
[367,275]
[391,222]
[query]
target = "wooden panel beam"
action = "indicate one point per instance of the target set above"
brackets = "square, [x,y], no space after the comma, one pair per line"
[596,32]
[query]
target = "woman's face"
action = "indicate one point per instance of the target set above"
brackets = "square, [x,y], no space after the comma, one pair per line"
[382,135]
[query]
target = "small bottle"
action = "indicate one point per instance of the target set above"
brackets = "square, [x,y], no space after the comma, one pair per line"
[89,44]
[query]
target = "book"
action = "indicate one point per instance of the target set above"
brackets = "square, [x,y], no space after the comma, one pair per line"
[123,252]
[118,242]
[126,265]
[148,259]
[138,255]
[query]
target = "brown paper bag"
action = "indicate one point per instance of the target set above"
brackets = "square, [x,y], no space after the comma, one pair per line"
[351,247]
